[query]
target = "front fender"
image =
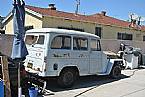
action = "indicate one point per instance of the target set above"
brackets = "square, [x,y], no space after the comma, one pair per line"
[111,63]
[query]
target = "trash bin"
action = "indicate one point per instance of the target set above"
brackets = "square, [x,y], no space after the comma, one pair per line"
[33,92]
[1,88]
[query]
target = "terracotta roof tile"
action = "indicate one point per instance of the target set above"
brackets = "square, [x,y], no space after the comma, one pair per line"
[96,18]
[110,20]
[143,28]
[67,15]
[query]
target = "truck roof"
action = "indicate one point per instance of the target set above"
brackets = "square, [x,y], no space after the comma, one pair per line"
[61,31]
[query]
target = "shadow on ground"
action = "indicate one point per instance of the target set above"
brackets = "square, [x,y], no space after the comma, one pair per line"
[83,82]
[89,82]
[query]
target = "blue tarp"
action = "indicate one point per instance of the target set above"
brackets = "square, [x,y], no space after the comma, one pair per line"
[1,88]
[19,50]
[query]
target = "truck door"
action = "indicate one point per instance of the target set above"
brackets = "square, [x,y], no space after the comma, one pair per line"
[60,51]
[95,56]
[80,54]
[36,47]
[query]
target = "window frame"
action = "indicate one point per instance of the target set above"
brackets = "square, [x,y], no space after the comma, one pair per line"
[144,38]
[32,42]
[98,31]
[80,48]
[98,45]
[62,47]
[124,36]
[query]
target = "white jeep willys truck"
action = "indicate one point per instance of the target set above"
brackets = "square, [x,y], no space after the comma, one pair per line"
[67,54]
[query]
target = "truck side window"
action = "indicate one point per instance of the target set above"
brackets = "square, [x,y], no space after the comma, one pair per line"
[95,45]
[31,39]
[61,42]
[80,43]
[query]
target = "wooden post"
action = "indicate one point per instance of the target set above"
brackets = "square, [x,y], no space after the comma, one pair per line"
[5,73]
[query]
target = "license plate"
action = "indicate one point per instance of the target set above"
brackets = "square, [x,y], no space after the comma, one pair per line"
[29,65]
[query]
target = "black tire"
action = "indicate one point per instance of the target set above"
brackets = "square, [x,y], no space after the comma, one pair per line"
[116,72]
[67,78]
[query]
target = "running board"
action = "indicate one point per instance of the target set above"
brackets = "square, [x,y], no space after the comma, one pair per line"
[102,74]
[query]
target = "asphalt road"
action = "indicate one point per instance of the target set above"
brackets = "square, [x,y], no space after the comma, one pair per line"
[131,84]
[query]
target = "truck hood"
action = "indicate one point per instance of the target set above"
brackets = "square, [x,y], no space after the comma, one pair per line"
[111,55]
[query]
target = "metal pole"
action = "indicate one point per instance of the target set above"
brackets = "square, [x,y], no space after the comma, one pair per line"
[19,81]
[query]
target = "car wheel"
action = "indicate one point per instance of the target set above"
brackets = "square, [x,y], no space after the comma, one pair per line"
[116,72]
[67,78]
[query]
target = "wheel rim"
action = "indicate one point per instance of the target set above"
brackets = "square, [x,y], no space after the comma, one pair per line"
[68,78]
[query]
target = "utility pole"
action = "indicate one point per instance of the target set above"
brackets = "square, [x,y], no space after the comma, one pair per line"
[77,6]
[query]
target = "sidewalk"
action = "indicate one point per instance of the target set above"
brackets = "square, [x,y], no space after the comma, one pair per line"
[132,84]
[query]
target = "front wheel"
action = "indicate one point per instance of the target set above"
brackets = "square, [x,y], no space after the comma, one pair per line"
[116,72]
[66,78]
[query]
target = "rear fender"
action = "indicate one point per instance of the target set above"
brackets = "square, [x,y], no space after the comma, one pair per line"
[67,67]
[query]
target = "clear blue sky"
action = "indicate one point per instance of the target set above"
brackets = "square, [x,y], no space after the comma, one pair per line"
[115,8]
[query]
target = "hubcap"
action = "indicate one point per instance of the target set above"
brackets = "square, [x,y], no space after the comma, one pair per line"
[68,78]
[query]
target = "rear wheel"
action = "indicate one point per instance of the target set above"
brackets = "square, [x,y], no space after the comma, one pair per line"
[116,72]
[67,78]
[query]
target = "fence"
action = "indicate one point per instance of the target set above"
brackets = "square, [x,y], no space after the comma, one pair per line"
[114,45]
[6,44]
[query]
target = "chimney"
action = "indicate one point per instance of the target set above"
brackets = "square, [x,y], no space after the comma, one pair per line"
[103,13]
[52,6]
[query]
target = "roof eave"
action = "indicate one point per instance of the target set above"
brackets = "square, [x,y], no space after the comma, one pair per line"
[34,13]
[7,17]
[27,10]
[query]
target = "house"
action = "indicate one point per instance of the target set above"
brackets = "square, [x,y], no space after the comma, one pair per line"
[108,28]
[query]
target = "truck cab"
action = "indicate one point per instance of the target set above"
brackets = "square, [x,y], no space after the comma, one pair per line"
[67,54]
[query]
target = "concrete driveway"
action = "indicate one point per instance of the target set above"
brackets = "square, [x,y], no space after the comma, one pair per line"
[132,84]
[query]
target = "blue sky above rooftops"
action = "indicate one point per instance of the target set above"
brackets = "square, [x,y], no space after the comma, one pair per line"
[114,8]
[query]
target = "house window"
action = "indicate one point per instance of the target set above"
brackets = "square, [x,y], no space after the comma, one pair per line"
[98,31]
[2,31]
[28,27]
[143,38]
[124,36]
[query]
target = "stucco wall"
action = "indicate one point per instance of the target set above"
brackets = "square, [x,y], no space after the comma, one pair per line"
[30,20]
[9,26]
[110,32]
[59,22]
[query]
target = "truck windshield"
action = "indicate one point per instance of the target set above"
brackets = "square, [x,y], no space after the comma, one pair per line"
[33,39]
